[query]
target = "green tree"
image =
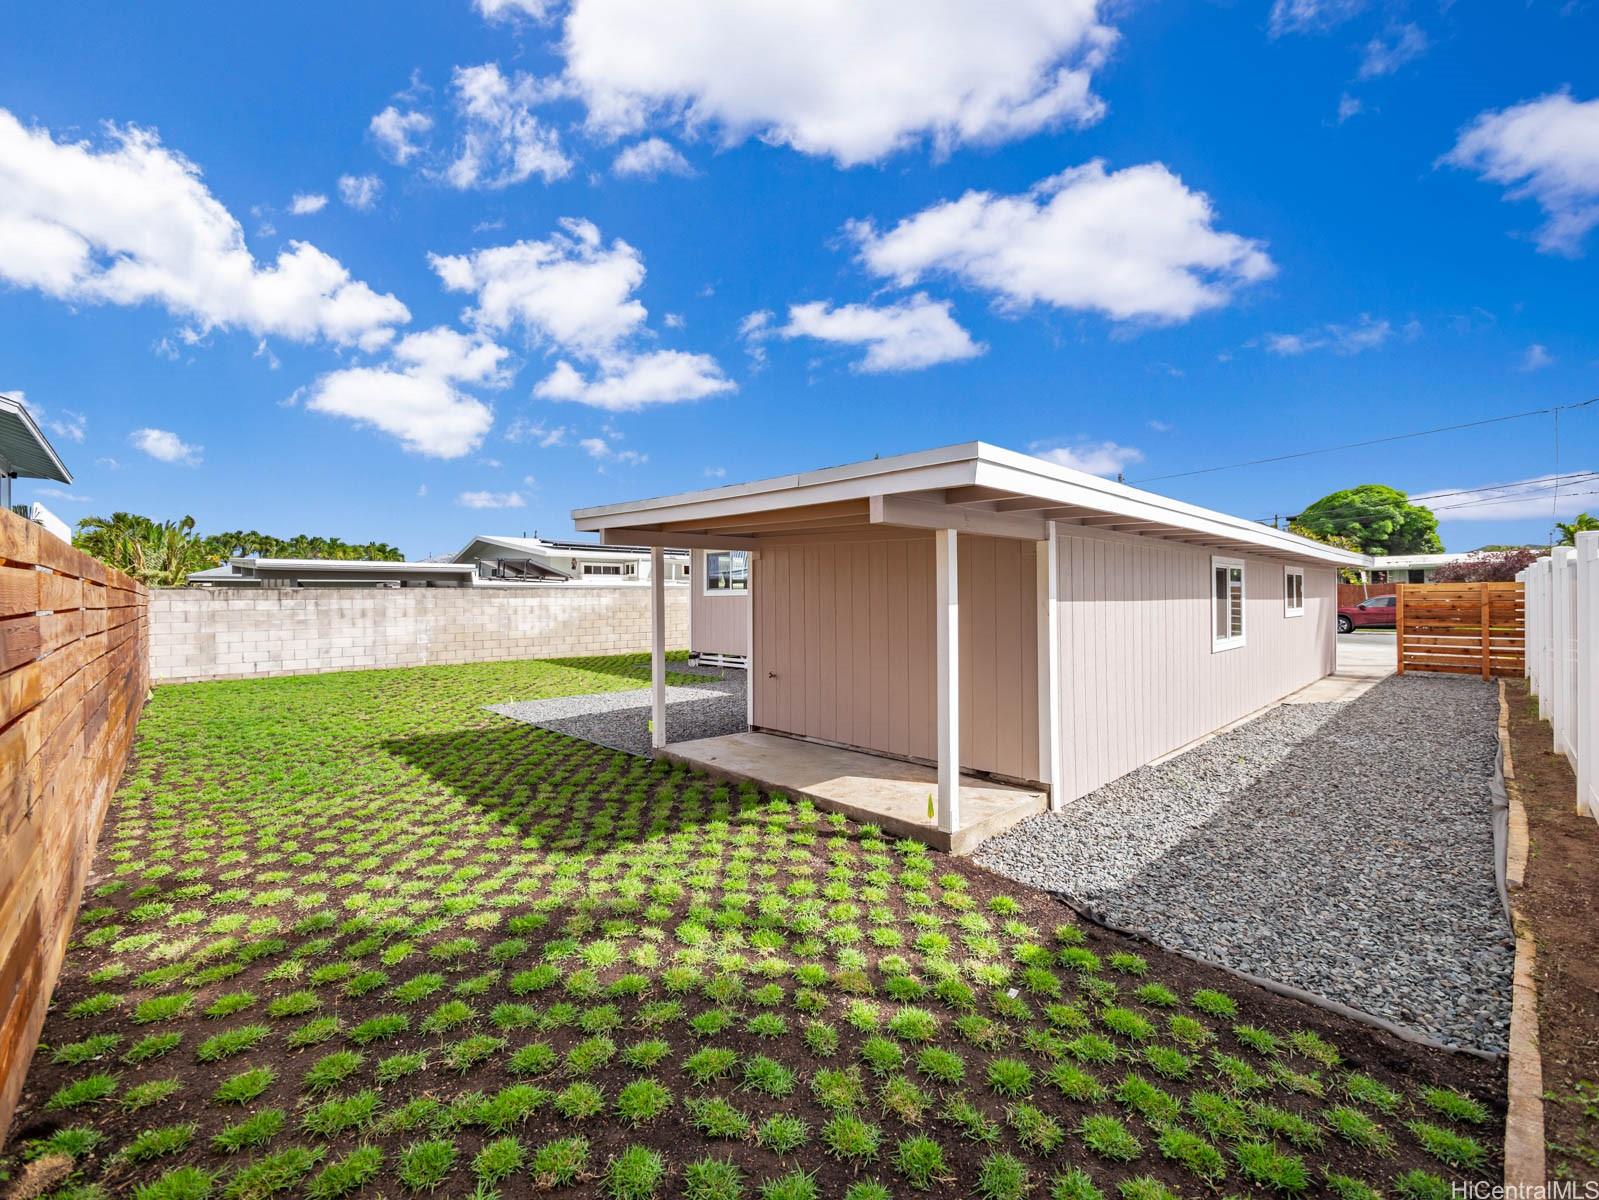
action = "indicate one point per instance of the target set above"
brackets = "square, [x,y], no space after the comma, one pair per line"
[1379,519]
[160,554]
[1581,523]
[1345,574]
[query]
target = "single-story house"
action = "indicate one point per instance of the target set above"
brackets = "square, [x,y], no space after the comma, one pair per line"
[331,572]
[1407,568]
[25,453]
[503,559]
[989,630]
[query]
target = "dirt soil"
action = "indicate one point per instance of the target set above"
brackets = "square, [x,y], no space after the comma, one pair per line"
[1560,898]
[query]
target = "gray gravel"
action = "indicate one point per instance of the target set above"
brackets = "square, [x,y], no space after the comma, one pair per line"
[621,720]
[1346,849]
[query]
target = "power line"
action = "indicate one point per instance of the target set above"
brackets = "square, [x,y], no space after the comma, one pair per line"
[1398,437]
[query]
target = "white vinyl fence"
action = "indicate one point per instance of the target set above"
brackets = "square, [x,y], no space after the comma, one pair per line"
[1563,655]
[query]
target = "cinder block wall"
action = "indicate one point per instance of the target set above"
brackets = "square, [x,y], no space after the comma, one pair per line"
[240,633]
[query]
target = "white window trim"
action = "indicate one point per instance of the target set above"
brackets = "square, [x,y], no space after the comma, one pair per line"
[705,577]
[1288,609]
[1218,644]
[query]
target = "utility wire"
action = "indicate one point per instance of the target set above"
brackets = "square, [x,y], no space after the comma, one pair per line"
[1398,437]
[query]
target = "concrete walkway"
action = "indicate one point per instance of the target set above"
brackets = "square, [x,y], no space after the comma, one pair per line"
[1365,658]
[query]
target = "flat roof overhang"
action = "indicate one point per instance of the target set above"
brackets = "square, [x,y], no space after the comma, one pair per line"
[973,487]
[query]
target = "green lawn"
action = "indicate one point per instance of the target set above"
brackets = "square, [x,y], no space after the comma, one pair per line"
[353,935]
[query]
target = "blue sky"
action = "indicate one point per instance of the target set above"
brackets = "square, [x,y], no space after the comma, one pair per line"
[555,254]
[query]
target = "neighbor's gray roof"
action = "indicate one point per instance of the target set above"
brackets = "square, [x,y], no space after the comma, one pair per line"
[24,449]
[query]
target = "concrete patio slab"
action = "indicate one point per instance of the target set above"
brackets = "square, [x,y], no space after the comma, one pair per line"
[886,792]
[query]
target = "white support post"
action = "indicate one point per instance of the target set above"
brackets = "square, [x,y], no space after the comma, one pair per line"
[657,647]
[750,673]
[1588,673]
[1051,770]
[946,571]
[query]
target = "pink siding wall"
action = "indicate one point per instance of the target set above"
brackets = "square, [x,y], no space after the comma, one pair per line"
[718,624]
[844,647]
[1138,677]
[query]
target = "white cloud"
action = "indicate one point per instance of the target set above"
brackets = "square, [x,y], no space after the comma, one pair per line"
[399,134]
[1526,499]
[914,333]
[1311,16]
[1132,244]
[491,500]
[131,222]
[421,490]
[62,496]
[505,10]
[573,293]
[1385,54]
[853,81]
[599,448]
[632,382]
[360,192]
[570,289]
[716,472]
[524,430]
[1349,106]
[417,396]
[63,423]
[1363,334]
[502,142]
[1092,458]
[1545,150]
[1537,358]
[305,203]
[650,158]
[166,446]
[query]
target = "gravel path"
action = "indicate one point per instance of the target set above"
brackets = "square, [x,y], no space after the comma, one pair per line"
[621,720]
[1346,849]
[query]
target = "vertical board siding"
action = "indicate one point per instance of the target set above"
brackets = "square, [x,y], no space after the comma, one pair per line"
[1137,675]
[862,613]
[719,623]
[74,652]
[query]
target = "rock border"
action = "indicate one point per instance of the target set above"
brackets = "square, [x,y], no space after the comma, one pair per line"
[1525,1163]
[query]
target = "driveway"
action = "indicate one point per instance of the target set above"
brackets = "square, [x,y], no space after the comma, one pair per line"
[1344,848]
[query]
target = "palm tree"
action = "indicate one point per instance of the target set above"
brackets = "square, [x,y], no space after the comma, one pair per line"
[1582,523]
[158,554]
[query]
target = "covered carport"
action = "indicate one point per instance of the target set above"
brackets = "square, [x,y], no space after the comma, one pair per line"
[906,626]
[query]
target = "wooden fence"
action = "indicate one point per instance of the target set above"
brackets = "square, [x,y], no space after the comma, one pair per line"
[1354,593]
[1461,628]
[1563,655]
[74,672]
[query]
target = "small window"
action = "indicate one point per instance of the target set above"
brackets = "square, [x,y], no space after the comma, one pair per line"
[727,571]
[603,569]
[1227,603]
[1293,592]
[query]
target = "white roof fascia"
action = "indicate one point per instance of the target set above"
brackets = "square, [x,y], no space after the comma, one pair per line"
[967,464]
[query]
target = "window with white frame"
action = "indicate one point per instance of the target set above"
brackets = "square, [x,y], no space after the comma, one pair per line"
[608,569]
[1227,603]
[727,571]
[1293,591]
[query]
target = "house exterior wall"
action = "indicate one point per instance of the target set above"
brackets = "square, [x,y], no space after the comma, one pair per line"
[718,621]
[844,647]
[238,633]
[1137,674]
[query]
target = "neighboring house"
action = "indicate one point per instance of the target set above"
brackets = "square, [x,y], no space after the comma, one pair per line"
[1408,568]
[25,453]
[989,612]
[719,607]
[40,515]
[540,560]
[331,572]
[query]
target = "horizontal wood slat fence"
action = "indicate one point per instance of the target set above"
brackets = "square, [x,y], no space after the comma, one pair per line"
[1462,628]
[1354,593]
[74,673]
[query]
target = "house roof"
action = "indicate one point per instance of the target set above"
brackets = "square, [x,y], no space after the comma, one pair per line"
[543,546]
[24,449]
[241,565]
[1381,562]
[973,486]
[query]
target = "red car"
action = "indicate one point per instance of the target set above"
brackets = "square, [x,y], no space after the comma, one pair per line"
[1379,610]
